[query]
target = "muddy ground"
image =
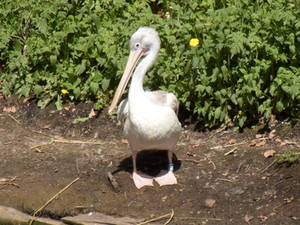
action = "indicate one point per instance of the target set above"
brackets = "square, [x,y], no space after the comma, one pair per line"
[224,177]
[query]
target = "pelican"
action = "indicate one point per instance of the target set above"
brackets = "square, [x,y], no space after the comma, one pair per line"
[150,116]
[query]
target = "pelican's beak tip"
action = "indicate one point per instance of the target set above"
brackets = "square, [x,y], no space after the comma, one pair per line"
[110,110]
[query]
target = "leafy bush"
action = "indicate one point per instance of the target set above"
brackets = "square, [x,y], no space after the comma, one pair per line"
[65,50]
[245,67]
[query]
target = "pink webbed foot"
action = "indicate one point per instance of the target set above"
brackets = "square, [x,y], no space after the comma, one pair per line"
[166,178]
[140,179]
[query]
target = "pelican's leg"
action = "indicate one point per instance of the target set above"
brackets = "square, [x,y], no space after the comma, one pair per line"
[140,179]
[167,177]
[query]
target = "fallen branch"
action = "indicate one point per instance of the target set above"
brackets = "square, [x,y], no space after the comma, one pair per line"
[51,199]
[210,161]
[231,151]
[13,118]
[62,140]
[197,218]
[171,215]
[7,181]
[268,166]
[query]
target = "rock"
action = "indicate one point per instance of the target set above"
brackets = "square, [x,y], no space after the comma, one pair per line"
[236,191]
[95,218]
[10,216]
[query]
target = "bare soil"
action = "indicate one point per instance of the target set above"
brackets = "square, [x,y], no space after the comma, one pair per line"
[223,175]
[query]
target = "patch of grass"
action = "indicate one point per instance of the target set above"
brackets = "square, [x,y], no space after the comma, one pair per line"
[289,157]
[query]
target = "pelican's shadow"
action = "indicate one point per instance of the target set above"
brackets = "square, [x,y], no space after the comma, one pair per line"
[150,162]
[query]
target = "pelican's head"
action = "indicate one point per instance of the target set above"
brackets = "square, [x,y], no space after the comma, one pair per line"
[146,40]
[143,42]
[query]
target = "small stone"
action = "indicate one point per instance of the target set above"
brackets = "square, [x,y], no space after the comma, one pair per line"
[236,191]
[210,203]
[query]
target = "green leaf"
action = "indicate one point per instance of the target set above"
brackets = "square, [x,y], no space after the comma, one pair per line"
[218,113]
[80,120]
[242,120]
[279,106]
[58,103]
[53,59]
[94,87]
[105,83]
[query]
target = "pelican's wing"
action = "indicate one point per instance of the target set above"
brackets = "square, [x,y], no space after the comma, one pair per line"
[162,98]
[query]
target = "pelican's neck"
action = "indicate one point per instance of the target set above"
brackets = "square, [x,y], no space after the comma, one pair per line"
[136,89]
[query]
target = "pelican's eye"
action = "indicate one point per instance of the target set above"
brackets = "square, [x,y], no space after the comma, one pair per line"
[137,45]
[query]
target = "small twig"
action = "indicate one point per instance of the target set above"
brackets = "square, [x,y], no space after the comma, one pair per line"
[112,181]
[197,218]
[41,145]
[171,214]
[236,144]
[51,199]
[231,151]
[12,117]
[192,160]
[268,166]
[62,140]
[227,180]
[214,165]
[240,165]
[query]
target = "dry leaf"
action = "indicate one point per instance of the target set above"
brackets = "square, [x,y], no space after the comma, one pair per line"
[253,143]
[262,218]
[92,113]
[289,200]
[210,203]
[247,218]
[38,150]
[261,143]
[191,154]
[124,141]
[26,100]
[278,140]
[272,134]
[10,109]
[232,141]
[287,142]
[269,153]
[47,126]
[258,136]
[195,145]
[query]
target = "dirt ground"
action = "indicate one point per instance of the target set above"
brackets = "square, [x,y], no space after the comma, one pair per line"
[223,175]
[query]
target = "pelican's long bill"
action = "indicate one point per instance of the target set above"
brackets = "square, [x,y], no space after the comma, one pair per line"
[133,58]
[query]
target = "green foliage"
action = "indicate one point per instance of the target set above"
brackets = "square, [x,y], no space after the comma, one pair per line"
[245,67]
[288,157]
[49,46]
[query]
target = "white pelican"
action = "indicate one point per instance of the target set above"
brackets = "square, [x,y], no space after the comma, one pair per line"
[150,117]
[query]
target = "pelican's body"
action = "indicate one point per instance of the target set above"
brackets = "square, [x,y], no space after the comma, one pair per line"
[151,124]
[150,117]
